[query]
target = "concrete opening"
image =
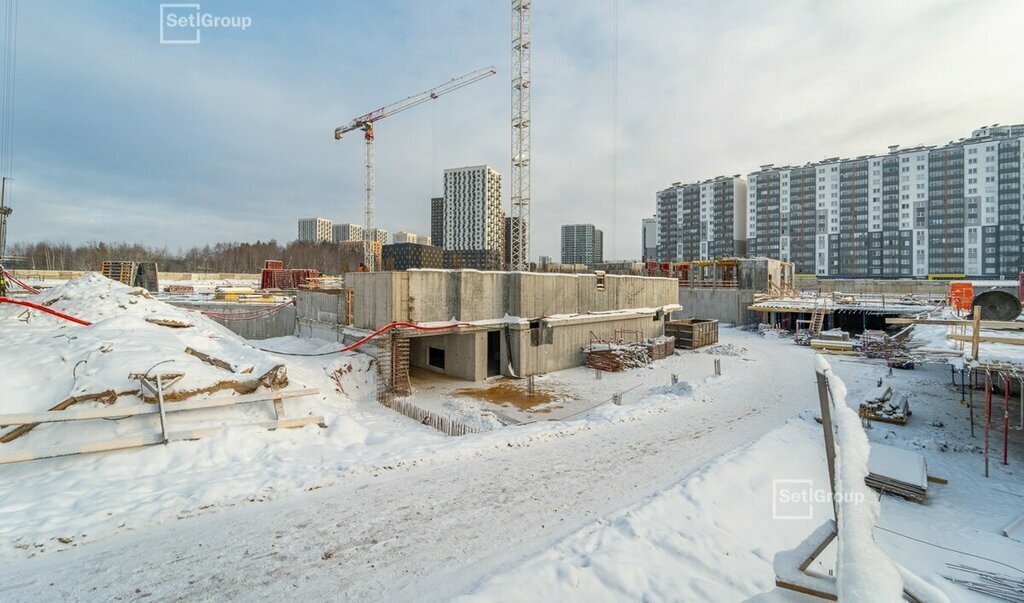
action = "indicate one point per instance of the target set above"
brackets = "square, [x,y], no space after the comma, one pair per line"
[435,358]
[493,353]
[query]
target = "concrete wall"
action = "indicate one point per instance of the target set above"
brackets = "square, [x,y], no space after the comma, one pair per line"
[66,275]
[278,324]
[469,295]
[901,286]
[465,355]
[560,343]
[724,305]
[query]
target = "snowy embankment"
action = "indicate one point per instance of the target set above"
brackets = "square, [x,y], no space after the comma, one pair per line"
[709,538]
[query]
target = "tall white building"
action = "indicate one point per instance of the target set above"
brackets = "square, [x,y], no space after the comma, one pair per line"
[347,232]
[315,230]
[582,244]
[472,209]
[380,235]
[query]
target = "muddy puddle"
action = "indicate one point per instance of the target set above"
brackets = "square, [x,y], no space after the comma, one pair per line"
[512,392]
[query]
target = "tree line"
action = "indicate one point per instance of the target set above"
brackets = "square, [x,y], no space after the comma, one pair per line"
[222,257]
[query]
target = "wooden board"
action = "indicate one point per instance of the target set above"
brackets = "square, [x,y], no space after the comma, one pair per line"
[54,416]
[987,339]
[125,443]
[985,324]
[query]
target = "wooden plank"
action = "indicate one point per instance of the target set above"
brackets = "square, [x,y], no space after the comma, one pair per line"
[147,440]
[142,409]
[975,339]
[985,324]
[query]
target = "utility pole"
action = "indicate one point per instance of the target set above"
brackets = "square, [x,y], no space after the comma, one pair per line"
[520,185]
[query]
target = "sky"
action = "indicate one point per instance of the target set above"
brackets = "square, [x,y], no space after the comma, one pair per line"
[121,138]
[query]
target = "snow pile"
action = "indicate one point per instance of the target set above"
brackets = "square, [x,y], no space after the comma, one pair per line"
[865,572]
[681,389]
[472,415]
[52,362]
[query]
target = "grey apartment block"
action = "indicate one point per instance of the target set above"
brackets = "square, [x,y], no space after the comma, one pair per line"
[702,220]
[582,244]
[949,210]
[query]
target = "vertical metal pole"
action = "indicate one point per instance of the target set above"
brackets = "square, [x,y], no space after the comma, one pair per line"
[976,336]
[988,413]
[970,401]
[826,427]
[160,402]
[1006,417]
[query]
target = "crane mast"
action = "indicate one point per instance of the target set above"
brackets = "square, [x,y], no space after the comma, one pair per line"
[365,123]
[520,185]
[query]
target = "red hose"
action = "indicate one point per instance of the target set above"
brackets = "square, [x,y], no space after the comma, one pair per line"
[50,311]
[15,280]
[395,325]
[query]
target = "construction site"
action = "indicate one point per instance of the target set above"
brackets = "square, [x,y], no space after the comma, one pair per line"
[456,416]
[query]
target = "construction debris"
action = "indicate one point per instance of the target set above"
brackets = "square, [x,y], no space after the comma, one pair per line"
[884,409]
[995,585]
[620,355]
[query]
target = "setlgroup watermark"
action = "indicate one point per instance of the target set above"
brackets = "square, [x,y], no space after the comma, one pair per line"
[797,498]
[184,23]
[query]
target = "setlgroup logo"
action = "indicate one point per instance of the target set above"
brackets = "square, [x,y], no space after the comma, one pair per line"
[184,23]
[797,498]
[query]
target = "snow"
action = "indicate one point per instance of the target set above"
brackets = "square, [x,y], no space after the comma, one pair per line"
[901,465]
[666,497]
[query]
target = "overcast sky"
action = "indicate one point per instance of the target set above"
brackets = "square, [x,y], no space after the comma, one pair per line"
[121,138]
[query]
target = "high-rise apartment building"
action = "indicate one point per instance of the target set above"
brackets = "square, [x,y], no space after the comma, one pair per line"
[347,232]
[315,230]
[649,238]
[437,221]
[582,244]
[952,210]
[472,210]
[702,220]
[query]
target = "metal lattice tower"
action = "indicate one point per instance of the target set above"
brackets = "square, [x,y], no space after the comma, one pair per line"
[520,186]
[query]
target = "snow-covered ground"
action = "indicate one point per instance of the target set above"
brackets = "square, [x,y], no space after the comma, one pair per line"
[667,497]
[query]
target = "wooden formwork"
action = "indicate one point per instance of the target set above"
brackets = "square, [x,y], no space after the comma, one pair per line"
[692,333]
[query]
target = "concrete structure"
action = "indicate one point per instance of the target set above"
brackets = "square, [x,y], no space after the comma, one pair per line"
[408,256]
[408,237]
[314,230]
[437,221]
[472,209]
[582,244]
[724,290]
[347,232]
[703,220]
[649,239]
[513,323]
[945,211]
